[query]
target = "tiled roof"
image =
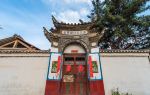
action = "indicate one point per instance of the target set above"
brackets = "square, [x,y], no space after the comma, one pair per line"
[125,51]
[48,51]
[63,24]
[25,51]
[9,39]
[13,38]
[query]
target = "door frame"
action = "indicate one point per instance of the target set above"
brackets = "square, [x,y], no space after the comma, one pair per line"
[74,55]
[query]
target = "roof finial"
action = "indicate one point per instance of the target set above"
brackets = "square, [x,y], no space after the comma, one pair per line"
[15,35]
[45,31]
[81,21]
[54,19]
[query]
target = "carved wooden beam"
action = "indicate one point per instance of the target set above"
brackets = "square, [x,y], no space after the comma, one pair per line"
[15,44]
[7,44]
[25,45]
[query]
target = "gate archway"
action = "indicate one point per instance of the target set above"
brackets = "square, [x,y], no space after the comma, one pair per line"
[74,72]
[76,43]
[74,48]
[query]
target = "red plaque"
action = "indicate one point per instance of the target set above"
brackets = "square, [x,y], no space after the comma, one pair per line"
[74,51]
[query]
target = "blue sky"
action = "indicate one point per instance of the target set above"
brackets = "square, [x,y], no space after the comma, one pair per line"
[27,17]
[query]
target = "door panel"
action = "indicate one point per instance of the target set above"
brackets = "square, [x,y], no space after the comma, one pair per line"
[74,75]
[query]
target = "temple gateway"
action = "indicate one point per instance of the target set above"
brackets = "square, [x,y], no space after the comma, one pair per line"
[74,65]
[70,34]
[75,60]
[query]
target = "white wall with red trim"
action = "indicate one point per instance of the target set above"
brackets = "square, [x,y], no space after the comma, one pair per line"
[25,73]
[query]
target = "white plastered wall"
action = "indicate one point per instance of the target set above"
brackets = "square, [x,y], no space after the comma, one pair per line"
[127,72]
[23,74]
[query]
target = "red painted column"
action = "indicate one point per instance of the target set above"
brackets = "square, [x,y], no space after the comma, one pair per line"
[97,87]
[52,87]
[53,82]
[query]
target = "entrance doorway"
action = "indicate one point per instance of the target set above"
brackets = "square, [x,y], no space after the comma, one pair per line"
[74,75]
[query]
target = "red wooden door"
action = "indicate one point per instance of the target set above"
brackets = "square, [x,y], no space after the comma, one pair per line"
[74,75]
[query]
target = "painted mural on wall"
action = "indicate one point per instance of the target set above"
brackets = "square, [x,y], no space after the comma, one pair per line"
[95,71]
[54,66]
[95,67]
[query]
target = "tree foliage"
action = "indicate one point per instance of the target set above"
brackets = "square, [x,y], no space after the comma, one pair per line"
[123,23]
[143,35]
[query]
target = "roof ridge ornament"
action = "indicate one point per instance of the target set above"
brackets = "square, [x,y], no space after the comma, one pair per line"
[58,24]
[54,19]
[81,21]
[45,31]
[17,36]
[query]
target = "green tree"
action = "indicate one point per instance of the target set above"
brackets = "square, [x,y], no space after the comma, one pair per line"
[122,22]
[143,36]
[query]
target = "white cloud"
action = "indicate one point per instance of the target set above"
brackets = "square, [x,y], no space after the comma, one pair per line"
[77,1]
[64,2]
[69,16]
[53,13]
[84,11]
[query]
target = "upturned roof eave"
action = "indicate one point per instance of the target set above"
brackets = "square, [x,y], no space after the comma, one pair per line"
[58,24]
